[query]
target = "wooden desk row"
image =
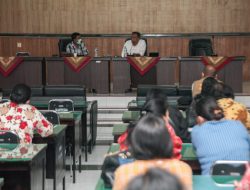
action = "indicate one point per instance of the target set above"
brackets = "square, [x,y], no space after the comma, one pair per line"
[112,75]
[188,156]
[199,183]
[70,134]
[25,166]
[75,132]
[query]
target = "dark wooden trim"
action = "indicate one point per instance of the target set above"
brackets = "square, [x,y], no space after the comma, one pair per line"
[170,35]
[197,58]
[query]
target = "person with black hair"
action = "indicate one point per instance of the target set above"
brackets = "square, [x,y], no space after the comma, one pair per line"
[176,119]
[159,108]
[207,84]
[20,117]
[113,160]
[151,146]
[215,138]
[155,179]
[77,46]
[232,110]
[134,47]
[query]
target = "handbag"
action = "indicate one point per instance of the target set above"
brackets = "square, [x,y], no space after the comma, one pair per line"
[111,163]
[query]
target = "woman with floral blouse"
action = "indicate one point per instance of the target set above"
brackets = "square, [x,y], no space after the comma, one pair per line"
[22,118]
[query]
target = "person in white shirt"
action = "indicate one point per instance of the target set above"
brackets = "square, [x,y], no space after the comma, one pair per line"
[134,47]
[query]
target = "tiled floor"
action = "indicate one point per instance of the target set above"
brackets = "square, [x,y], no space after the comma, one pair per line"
[87,179]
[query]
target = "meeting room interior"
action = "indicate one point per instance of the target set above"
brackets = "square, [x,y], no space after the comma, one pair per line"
[124,95]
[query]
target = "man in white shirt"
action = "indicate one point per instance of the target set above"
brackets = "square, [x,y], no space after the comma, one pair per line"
[135,46]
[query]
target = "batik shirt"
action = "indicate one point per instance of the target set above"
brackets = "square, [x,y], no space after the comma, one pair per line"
[79,49]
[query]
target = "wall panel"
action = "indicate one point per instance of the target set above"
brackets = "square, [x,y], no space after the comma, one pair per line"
[124,16]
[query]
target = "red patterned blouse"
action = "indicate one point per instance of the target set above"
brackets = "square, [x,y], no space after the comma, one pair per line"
[24,119]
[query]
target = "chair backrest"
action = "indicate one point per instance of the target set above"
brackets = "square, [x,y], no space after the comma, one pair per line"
[168,90]
[61,105]
[8,137]
[224,173]
[145,39]
[62,44]
[224,167]
[184,91]
[200,47]
[51,116]
[153,54]
[65,90]
[4,101]
[35,91]
[93,117]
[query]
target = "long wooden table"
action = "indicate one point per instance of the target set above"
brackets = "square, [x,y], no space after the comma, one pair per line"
[231,74]
[166,73]
[112,74]
[23,166]
[95,75]
[55,157]
[30,72]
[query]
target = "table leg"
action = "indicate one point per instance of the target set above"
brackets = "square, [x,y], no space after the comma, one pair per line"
[74,167]
[54,184]
[63,183]
[80,163]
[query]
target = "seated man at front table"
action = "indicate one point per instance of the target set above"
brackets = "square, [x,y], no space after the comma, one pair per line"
[209,71]
[134,47]
[77,46]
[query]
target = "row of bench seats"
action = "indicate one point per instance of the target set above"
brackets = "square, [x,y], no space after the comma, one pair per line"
[169,90]
[54,91]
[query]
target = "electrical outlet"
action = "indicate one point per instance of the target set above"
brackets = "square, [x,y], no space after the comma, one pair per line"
[19,44]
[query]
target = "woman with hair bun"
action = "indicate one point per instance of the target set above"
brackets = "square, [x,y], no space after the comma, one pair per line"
[215,138]
[22,118]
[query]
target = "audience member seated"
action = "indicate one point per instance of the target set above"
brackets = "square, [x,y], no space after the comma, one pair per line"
[232,110]
[155,179]
[123,139]
[178,123]
[215,138]
[22,118]
[134,47]
[206,87]
[176,118]
[159,108]
[77,46]
[113,160]
[151,146]
[209,71]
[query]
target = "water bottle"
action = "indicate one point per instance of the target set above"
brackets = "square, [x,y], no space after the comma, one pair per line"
[96,52]
[125,53]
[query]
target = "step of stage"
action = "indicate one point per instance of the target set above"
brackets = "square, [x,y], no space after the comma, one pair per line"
[110,110]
